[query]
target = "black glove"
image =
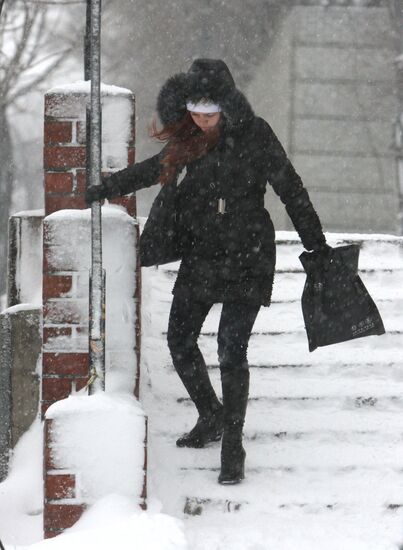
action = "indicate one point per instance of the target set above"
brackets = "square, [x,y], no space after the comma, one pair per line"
[94,193]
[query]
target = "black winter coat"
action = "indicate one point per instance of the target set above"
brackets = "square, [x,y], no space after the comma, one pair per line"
[231,255]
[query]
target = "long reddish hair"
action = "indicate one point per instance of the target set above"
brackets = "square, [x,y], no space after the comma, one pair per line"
[186,143]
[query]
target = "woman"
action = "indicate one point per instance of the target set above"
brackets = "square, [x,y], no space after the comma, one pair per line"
[226,235]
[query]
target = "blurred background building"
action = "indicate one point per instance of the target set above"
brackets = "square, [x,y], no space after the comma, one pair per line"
[326,74]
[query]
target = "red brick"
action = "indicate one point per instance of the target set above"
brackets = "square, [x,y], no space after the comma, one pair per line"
[54,203]
[49,462]
[47,233]
[58,182]
[47,439]
[81,182]
[55,332]
[61,516]
[80,383]
[74,364]
[65,312]
[48,430]
[52,100]
[57,132]
[131,155]
[54,389]
[59,486]
[133,126]
[60,157]
[55,286]
[49,534]
[44,407]
[143,495]
[47,264]
[128,201]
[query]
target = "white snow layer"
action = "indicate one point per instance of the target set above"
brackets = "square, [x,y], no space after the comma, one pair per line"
[322,467]
[115,523]
[20,307]
[335,453]
[84,87]
[21,494]
[100,438]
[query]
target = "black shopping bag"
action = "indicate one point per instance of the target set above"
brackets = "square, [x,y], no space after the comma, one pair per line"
[160,241]
[335,303]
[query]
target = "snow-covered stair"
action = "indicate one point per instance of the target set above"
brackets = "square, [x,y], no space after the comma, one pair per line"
[324,430]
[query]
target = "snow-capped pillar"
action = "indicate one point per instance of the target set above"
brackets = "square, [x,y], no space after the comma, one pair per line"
[64,165]
[65,139]
[66,262]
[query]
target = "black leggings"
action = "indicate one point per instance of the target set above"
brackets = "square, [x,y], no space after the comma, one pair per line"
[185,322]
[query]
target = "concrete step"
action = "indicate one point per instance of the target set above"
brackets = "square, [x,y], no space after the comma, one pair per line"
[283,349]
[263,418]
[355,382]
[300,455]
[289,486]
[325,402]
[376,251]
[196,506]
[288,286]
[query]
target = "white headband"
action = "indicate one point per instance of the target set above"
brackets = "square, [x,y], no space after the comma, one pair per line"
[203,107]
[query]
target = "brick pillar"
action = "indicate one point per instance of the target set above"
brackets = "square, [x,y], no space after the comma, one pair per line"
[66,258]
[64,143]
[65,315]
[62,507]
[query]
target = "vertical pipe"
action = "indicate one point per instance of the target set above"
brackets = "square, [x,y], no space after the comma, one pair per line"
[87,42]
[396,10]
[97,278]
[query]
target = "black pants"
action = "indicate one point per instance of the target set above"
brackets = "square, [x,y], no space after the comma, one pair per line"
[185,322]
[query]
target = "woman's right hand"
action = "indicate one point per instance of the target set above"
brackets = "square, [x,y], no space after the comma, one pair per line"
[94,193]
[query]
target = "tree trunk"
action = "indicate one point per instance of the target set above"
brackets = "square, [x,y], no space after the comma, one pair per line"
[6,187]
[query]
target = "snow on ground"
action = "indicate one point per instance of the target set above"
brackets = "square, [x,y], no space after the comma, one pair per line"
[323,485]
[328,480]
[115,523]
[21,494]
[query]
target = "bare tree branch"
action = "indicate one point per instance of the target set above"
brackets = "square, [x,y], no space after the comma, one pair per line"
[14,68]
[40,78]
[57,2]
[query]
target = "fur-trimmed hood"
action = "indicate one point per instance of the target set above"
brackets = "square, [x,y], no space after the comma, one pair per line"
[206,78]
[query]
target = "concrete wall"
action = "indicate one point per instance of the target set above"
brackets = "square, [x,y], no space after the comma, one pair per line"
[24,269]
[328,88]
[20,351]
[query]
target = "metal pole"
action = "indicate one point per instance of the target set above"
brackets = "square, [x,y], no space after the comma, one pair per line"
[396,9]
[87,43]
[97,276]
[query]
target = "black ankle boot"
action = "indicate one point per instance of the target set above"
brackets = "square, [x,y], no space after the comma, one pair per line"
[235,391]
[207,429]
[232,459]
